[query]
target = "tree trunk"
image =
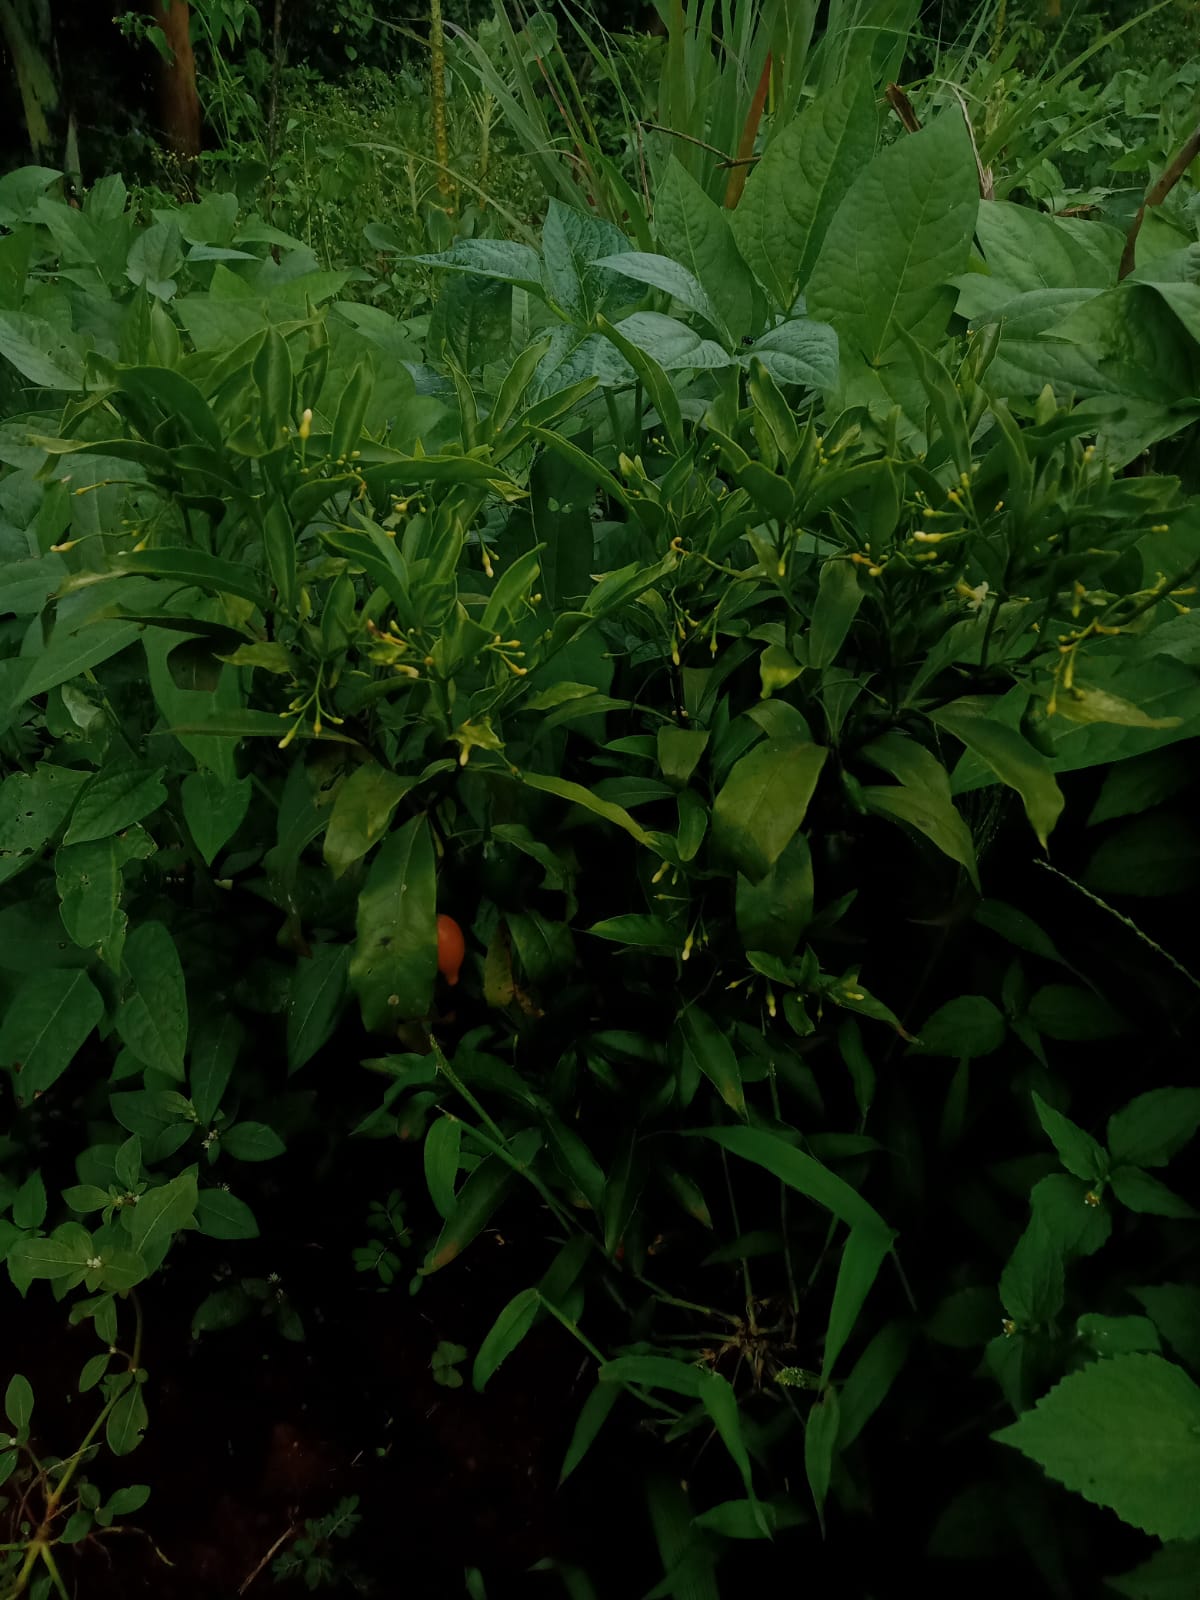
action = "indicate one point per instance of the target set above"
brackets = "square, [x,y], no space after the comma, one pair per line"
[179,102]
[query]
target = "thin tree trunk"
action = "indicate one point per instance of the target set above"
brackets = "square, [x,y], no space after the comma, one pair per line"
[179,101]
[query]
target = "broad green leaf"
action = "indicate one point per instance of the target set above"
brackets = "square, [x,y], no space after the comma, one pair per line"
[18,1402]
[154,257]
[967,1027]
[1140,1192]
[800,351]
[251,1141]
[671,344]
[127,1422]
[820,1446]
[46,1021]
[1174,1309]
[33,806]
[1011,757]
[693,229]
[654,1372]
[89,882]
[1140,783]
[921,195]
[361,813]
[774,912]
[1154,1127]
[64,1254]
[1124,1433]
[316,992]
[505,1334]
[442,1157]
[213,810]
[505,259]
[216,1041]
[763,802]
[1066,1011]
[679,751]
[1031,1285]
[800,1172]
[638,930]
[862,1256]
[1017,927]
[221,1215]
[394,963]
[837,603]
[1077,1150]
[578,248]
[1076,1224]
[703,1044]
[153,1018]
[1168,1574]
[477,1201]
[114,799]
[1148,855]
[793,193]
[160,1214]
[29,1202]
[929,813]
[195,568]
[1114,1336]
[660,272]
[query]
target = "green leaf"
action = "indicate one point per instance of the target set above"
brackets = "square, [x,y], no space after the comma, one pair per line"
[1140,1192]
[1140,783]
[160,1214]
[719,1400]
[793,193]
[696,231]
[89,882]
[679,751]
[637,930]
[33,806]
[221,1215]
[871,1377]
[1114,1336]
[1031,1285]
[40,351]
[862,1256]
[442,1154]
[29,1202]
[705,1047]
[394,963]
[1175,1311]
[215,1045]
[127,1422]
[505,1334]
[820,1445]
[923,801]
[922,195]
[46,1021]
[252,1141]
[577,795]
[154,257]
[112,800]
[64,1254]
[1018,928]
[473,1210]
[361,813]
[195,568]
[967,1027]
[272,372]
[316,993]
[69,654]
[1063,1011]
[1154,1127]
[660,272]
[1012,758]
[18,1402]
[1125,1434]
[592,1417]
[153,1018]
[213,810]
[654,1372]
[774,912]
[1077,1150]
[838,599]
[800,1172]
[763,802]
[1169,1574]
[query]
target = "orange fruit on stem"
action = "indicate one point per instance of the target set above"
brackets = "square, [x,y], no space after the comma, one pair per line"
[452,948]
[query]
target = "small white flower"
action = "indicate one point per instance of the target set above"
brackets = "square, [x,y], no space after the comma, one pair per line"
[94,1263]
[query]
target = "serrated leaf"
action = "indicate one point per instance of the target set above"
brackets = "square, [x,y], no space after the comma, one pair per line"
[1124,1433]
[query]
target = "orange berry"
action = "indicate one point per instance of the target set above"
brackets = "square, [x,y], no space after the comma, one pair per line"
[452,948]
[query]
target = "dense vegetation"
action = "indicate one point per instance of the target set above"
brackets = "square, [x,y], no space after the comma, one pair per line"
[709,514]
